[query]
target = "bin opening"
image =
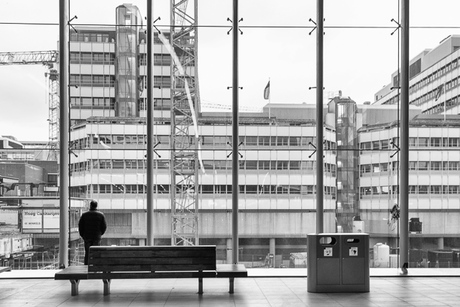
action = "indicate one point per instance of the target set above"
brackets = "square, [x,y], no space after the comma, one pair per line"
[353,240]
[327,240]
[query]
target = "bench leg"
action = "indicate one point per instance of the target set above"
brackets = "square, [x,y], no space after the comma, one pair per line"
[74,287]
[106,286]
[200,285]
[232,284]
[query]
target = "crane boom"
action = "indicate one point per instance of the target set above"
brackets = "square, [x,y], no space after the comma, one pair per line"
[46,57]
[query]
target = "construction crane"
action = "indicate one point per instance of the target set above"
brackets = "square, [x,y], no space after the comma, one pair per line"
[47,58]
[185,105]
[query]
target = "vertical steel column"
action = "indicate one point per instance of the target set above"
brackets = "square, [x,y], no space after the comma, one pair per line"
[235,136]
[319,116]
[404,138]
[63,134]
[150,119]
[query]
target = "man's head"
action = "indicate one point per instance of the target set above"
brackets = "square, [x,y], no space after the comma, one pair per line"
[93,204]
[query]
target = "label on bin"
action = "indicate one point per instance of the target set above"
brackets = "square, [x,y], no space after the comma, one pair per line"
[353,251]
[328,252]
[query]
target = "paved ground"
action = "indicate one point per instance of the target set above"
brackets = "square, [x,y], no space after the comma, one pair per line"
[28,288]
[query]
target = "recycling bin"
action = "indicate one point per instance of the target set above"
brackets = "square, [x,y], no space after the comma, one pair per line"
[338,262]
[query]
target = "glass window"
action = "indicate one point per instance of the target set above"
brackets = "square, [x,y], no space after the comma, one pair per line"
[366,145]
[423,189]
[282,141]
[264,140]
[294,141]
[435,142]
[251,189]
[435,165]
[207,189]
[118,164]
[423,165]
[423,142]
[251,165]
[251,141]
[435,189]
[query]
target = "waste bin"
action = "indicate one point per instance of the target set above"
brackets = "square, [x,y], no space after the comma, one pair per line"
[338,262]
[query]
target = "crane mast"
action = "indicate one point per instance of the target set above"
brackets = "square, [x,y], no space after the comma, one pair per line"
[184,147]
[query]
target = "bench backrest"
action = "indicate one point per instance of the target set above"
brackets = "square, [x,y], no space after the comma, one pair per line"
[151,258]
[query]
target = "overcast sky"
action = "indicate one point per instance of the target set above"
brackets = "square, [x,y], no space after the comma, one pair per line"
[359,51]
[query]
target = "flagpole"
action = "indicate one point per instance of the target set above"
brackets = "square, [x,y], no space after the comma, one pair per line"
[269,98]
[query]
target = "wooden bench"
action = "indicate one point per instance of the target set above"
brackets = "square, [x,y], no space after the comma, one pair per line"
[132,262]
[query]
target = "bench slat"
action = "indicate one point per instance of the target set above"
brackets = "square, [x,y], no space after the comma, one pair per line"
[157,251]
[141,275]
[153,261]
[150,253]
[150,268]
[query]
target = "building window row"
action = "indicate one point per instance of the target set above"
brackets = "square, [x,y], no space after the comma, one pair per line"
[208,164]
[81,191]
[209,140]
[92,80]
[379,144]
[158,82]
[413,165]
[92,58]
[433,76]
[436,93]
[90,37]
[159,104]
[443,106]
[434,142]
[92,102]
[413,189]
[160,59]
[413,142]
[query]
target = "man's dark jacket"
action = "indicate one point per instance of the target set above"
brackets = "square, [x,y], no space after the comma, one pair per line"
[92,225]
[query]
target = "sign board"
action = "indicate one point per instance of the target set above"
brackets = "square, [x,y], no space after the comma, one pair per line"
[40,220]
[32,219]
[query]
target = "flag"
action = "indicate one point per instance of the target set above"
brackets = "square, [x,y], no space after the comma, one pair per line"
[267,91]
[439,92]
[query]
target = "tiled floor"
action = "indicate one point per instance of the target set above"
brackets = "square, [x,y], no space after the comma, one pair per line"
[260,291]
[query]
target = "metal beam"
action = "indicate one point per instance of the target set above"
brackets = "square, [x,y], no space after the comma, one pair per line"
[404,139]
[319,116]
[150,122]
[64,134]
[235,136]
